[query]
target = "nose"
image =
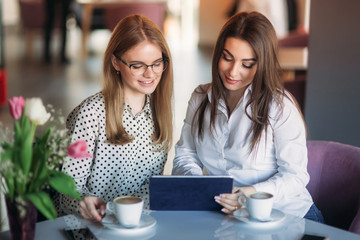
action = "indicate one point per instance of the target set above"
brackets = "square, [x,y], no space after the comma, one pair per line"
[235,69]
[149,72]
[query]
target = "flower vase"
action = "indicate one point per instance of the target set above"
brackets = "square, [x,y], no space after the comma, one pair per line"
[22,219]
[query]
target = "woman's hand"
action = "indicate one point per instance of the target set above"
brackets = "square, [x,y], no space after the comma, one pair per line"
[92,208]
[230,200]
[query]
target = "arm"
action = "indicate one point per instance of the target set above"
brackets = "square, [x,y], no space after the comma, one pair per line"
[186,161]
[80,127]
[143,191]
[291,155]
[288,141]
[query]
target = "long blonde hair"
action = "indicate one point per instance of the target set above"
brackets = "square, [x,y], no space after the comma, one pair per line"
[129,32]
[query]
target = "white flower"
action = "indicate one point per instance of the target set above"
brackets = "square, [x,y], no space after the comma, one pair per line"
[35,111]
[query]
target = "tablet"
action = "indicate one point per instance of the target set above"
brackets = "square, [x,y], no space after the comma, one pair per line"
[188,192]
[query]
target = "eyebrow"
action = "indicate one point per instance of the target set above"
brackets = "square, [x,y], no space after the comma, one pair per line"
[140,62]
[244,59]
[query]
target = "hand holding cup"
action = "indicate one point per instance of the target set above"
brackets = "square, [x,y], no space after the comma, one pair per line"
[258,204]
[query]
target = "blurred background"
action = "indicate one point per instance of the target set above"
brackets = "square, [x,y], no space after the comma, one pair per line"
[38,67]
[319,53]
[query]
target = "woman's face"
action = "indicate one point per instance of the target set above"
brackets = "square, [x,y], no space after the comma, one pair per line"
[237,65]
[136,81]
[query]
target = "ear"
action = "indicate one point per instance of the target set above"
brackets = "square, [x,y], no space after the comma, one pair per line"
[115,63]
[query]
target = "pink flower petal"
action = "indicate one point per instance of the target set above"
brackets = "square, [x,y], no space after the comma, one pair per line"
[16,106]
[79,150]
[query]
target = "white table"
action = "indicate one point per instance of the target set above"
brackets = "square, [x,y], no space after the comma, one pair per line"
[197,225]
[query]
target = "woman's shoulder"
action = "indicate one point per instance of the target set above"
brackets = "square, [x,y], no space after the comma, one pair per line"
[202,88]
[93,104]
[96,100]
[199,93]
[284,106]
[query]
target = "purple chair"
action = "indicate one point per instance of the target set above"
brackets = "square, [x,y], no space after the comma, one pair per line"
[334,170]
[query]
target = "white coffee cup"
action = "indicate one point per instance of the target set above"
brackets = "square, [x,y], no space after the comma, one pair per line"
[258,204]
[127,209]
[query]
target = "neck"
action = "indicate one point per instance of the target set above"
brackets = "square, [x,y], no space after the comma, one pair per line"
[136,102]
[232,99]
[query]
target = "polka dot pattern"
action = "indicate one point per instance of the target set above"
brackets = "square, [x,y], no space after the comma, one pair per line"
[115,170]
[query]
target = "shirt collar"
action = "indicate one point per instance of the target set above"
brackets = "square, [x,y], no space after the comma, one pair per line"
[146,109]
[222,105]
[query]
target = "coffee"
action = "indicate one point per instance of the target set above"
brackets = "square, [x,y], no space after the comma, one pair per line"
[127,209]
[127,200]
[260,195]
[258,204]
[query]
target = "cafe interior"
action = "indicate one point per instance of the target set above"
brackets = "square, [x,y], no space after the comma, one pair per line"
[318,52]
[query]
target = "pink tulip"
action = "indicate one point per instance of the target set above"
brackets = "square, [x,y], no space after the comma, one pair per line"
[16,105]
[78,150]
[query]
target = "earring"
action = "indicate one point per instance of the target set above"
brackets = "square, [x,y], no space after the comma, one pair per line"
[118,72]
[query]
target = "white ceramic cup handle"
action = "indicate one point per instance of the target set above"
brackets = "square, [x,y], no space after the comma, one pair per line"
[241,198]
[110,206]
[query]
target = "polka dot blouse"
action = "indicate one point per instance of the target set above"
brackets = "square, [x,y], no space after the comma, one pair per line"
[115,170]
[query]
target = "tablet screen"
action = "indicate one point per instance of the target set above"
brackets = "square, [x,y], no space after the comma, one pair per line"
[188,192]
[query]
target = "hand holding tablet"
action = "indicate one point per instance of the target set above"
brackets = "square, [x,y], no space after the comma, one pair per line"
[188,192]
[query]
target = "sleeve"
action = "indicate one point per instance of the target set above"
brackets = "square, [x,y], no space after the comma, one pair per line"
[186,161]
[291,155]
[144,190]
[83,124]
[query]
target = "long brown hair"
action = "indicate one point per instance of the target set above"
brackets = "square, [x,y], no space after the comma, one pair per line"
[129,32]
[257,30]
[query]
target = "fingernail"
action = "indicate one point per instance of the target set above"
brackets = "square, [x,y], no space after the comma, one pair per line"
[217,198]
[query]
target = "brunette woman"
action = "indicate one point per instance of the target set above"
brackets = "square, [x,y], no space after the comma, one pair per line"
[244,124]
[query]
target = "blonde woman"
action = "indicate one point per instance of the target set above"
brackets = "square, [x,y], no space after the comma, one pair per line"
[128,125]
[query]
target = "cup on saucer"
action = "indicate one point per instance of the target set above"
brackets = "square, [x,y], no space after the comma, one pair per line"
[127,209]
[258,204]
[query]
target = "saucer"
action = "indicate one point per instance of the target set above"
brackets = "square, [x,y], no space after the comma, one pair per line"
[276,217]
[146,222]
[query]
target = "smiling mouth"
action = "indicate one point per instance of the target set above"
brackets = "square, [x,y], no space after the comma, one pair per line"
[231,81]
[147,82]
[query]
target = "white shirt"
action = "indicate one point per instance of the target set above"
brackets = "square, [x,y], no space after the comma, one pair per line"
[279,166]
[115,170]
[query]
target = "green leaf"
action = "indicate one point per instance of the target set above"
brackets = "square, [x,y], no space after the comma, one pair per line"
[46,136]
[64,184]
[23,118]
[40,156]
[26,149]
[18,132]
[43,203]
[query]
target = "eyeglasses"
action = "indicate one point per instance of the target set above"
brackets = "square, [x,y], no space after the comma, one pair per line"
[141,68]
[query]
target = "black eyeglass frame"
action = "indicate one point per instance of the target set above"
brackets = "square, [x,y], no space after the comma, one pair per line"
[164,59]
